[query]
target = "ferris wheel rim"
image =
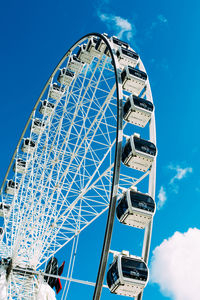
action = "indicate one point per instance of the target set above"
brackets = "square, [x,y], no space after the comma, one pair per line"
[112,206]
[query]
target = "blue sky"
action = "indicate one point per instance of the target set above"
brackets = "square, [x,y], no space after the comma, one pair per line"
[36,34]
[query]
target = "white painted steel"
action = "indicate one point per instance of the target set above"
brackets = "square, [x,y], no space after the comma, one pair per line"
[152,177]
[66,183]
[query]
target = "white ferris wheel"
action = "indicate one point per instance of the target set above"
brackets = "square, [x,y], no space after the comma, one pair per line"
[89,143]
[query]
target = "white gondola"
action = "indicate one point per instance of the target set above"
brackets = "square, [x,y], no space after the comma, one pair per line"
[138,154]
[133,80]
[20,166]
[37,126]
[101,45]
[56,91]
[4,209]
[137,110]
[65,77]
[124,56]
[116,43]
[91,47]
[135,209]
[74,64]
[127,275]
[12,187]
[127,57]
[46,108]
[28,146]
[84,55]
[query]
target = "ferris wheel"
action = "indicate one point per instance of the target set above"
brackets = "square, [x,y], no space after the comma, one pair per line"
[88,147]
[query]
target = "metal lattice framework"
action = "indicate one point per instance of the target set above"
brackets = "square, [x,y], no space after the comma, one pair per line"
[73,171]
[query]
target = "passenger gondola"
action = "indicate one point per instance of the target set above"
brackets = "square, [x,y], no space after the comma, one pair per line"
[135,209]
[118,43]
[28,146]
[56,91]
[12,187]
[138,154]
[133,80]
[127,275]
[91,47]
[137,111]
[37,126]
[127,57]
[4,209]
[101,45]
[46,108]
[19,166]
[65,77]
[74,64]
[84,55]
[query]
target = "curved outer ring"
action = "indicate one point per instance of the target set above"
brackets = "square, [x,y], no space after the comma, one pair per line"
[116,173]
[152,179]
[117,163]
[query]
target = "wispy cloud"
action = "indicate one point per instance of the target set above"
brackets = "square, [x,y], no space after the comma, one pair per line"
[162,197]
[172,186]
[180,172]
[121,27]
[175,265]
[160,21]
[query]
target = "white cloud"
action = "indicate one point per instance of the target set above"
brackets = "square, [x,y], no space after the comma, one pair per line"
[121,27]
[162,198]
[172,186]
[175,265]
[162,19]
[180,172]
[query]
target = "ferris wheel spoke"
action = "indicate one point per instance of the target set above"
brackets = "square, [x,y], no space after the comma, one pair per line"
[81,144]
[65,217]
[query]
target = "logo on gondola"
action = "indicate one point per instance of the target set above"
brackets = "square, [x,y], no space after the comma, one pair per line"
[145,148]
[134,273]
[138,74]
[142,205]
[143,105]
